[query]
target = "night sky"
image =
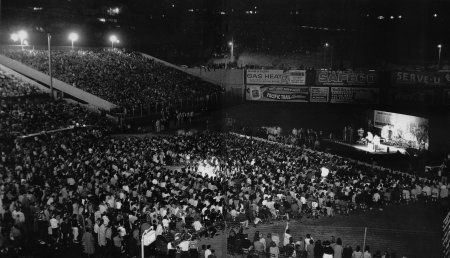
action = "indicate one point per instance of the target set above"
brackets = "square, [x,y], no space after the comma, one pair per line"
[367,32]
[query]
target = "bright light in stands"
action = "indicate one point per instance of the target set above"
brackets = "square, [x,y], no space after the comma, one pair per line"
[14,37]
[399,16]
[22,35]
[392,17]
[113,39]
[113,11]
[101,19]
[439,46]
[326,44]
[324,172]
[380,17]
[73,36]
[435,15]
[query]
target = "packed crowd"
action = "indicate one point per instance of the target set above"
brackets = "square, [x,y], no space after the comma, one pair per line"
[26,110]
[125,78]
[10,86]
[85,188]
[26,116]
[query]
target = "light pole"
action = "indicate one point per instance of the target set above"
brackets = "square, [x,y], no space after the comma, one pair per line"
[231,44]
[49,38]
[326,45]
[439,54]
[113,39]
[73,37]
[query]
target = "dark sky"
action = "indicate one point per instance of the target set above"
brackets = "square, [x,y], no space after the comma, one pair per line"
[371,30]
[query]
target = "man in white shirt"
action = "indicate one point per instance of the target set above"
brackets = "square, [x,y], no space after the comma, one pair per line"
[197,225]
[208,251]
[54,223]
[287,235]
[184,247]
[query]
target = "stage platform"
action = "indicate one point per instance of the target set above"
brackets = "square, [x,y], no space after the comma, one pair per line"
[381,149]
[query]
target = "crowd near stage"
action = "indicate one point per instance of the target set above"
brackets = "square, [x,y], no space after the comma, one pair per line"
[380,149]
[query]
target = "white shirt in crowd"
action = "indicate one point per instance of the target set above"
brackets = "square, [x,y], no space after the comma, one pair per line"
[184,246]
[197,225]
[54,223]
[207,252]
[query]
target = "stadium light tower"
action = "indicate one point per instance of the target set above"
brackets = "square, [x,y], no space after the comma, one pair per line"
[73,37]
[113,39]
[21,35]
[439,54]
[14,37]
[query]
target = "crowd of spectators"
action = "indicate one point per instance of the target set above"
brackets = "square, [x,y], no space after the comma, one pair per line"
[27,116]
[83,190]
[127,79]
[84,187]
[287,245]
[11,86]
[26,110]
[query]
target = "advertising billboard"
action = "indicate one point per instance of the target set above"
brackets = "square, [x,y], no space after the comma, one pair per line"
[354,95]
[346,78]
[319,94]
[277,93]
[275,77]
[421,78]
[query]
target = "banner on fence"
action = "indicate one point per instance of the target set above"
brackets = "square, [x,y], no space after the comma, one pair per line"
[319,94]
[277,93]
[354,95]
[421,78]
[276,77]
[346,78]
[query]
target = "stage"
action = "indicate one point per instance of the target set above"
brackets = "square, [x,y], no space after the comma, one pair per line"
[381,148]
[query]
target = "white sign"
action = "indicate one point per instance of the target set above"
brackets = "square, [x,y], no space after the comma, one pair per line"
[319,94]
